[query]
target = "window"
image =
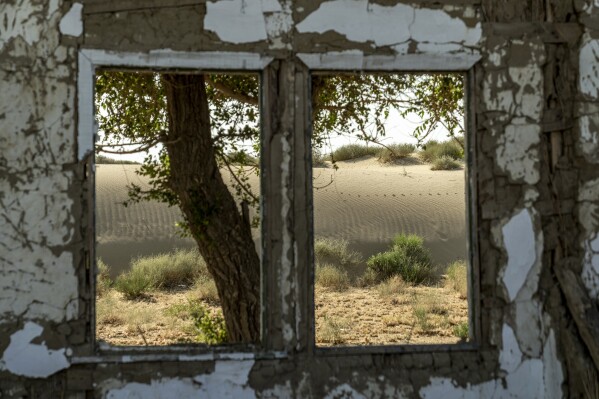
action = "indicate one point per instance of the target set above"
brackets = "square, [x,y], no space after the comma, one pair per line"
[389,209]
[153,286]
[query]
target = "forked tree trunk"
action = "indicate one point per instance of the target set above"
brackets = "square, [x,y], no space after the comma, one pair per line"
[222,234]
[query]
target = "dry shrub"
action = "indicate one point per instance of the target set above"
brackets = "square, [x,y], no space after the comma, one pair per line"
[205,289]
[335,252]
[457,278]
[396,152]
[103,280]
[331,330]
[108,311]
[445,163]
[391,287]
[353,151]
[332,277]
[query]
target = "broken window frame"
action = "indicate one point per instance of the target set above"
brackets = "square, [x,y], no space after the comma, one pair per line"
[90,60]
[339,63]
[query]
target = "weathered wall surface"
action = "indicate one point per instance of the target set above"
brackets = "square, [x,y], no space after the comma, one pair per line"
[534,85]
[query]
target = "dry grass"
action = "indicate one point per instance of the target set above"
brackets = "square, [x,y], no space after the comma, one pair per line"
[205,289]
[392,287]
[332,330]
[331,277]
[457,278]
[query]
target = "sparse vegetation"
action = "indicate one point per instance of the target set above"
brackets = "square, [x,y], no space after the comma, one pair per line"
[318,159]
[395,152]
[457,279]
[445,163]
[391,287]
[335,252]
[408,258]
[242,158]
[208,327]
[434,150]
[331,277]
[331,330]
[102,159]
[179,268]
[204,288]
[354,151]
[103,280]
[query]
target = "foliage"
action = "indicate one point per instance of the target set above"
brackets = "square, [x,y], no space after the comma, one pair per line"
[332,277]
[210,328]
[408,258]
[164,271]
[457,277]
[445,163]
[395,152]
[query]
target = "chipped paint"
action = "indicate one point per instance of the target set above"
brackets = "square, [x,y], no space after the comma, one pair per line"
[72,23]
[589,137]
[590,268]
[363,21]
[344,391]
[521,247]
[229,380]
[589,67]
[517,152]
[24,358]
[242,21]
[535,378]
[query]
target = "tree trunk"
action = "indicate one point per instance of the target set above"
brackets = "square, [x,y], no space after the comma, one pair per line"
[222,234]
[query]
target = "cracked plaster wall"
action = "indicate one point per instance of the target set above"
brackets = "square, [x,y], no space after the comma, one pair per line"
[42,313]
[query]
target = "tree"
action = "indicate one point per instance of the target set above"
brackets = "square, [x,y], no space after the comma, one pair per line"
[200,121]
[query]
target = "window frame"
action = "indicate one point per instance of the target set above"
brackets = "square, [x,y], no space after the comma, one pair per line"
[356,62]
[90,60]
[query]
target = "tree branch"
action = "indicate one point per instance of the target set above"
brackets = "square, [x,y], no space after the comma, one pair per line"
[229,92]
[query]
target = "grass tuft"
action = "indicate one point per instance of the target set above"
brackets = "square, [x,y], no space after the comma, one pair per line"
[332,277]
[204,289]
[391,287]
[457,278]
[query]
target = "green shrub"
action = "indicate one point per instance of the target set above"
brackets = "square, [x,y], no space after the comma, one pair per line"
[103,280]
[209,328]
[434,150]
[408,258]
[395,152]
[457,277]
[461,330]
[164,271]
[353,151]
[335,252]
[332,277]
[445,163]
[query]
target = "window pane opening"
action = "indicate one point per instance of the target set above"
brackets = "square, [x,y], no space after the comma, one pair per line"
[390,233]
[177,208]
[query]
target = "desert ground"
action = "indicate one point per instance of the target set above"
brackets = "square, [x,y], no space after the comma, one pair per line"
[362,201]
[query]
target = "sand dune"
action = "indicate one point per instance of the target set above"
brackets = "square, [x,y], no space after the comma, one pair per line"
[362,201]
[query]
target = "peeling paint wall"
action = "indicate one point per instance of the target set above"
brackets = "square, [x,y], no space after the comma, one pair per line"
[534,73]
